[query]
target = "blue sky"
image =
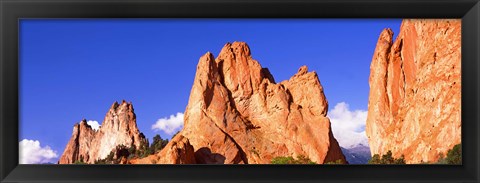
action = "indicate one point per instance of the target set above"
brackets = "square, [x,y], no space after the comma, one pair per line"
[72,69]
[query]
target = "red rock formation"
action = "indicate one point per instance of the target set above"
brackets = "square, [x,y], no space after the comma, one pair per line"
[414,103]
[237,114]
[119,127]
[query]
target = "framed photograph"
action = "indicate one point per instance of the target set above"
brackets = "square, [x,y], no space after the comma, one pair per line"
[239,91]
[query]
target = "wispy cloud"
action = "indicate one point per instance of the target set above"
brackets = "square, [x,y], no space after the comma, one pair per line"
[94,124]
[169,125]
[348,126]
[32,153]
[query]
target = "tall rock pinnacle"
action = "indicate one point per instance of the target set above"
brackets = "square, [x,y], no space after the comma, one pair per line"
[415,91]
[119,127]
[238,114]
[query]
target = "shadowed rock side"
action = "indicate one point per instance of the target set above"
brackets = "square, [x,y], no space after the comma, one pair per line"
[415,84]
[237,114]
[119,127]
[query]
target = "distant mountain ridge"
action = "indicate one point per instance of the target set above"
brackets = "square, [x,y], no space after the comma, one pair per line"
[358,154]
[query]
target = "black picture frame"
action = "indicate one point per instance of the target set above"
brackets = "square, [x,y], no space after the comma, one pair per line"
[12,10]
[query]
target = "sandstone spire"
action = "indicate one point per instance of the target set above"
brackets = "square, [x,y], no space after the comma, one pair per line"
[238,114]
[415,91]
[119,127]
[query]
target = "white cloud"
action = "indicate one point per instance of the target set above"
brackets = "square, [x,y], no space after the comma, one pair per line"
[93,124]
[30,152]
[348,126]
[169,125]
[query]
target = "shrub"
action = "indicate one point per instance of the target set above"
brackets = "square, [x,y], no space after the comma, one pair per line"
[283,160]
[386,159]
[441,159]
[454,156]
[375,159]
[304,160]
[132,150]
[338,161]
[290,160]
[143,150]
[80,161]
[100,161]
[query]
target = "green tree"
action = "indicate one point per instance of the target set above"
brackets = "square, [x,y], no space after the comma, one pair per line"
[143,150]
[454,155]
[375,159]
[132,149]
[157,144]
[386,159]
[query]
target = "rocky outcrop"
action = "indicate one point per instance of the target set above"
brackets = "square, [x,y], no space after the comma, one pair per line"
[118,128]
[238,114]
[415,84]
[178,151]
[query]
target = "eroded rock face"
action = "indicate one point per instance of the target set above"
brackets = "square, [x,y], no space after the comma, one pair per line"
[119,127]
[415,91]
[237,114]
[178,151]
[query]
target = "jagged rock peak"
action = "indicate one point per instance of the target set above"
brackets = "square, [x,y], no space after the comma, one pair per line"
[114,105]
[386,35]
[207,63]
[83,123]
[237,114]
[302,70]
[118,128]
[235,49]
